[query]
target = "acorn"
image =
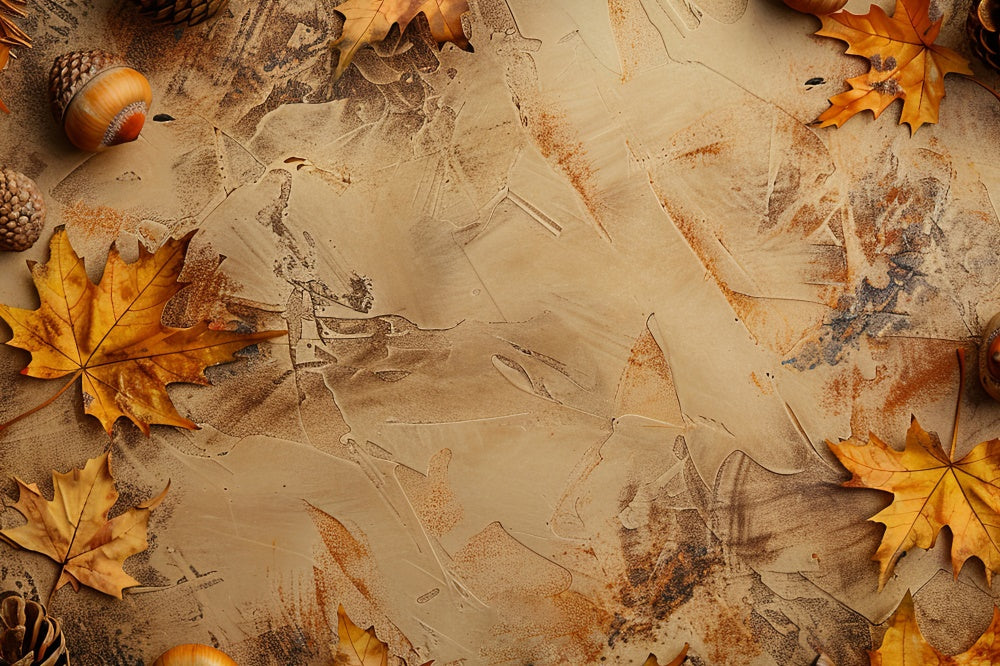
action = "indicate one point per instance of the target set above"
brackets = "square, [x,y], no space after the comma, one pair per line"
[22,211]
[181,11]
[28,636]
[981,26]
[193,654]
[817,7]
[98,100]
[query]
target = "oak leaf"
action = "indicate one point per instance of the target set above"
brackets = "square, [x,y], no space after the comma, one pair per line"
[359,647]
[369,21]
[110,334]
[905,63]
[10,34]
[930,491]
[73,528]
[904,645]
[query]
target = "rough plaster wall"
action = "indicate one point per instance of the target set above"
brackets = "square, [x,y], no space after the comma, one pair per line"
[570,318]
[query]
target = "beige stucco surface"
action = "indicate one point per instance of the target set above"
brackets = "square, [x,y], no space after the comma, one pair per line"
[570,320]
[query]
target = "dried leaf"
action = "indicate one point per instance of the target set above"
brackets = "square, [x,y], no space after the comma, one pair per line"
[73,528]
[10,34]
[357,646]
[676,661]
[903,644]
[929,492]
[905,63]
[110,334]
[369,21]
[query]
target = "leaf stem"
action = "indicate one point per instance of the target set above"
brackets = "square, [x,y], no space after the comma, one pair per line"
[4,426]
[984,86]
[958,402]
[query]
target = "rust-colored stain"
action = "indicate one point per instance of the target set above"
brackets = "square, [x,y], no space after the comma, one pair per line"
[432,497]
[539,617]
[556,142]
[647,387]
[101,222]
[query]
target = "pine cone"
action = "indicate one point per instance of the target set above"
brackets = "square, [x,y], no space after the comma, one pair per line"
[28,637]
[982,24]
[181,11]
[22,211]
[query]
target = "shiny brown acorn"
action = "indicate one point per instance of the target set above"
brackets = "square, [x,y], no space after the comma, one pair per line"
[97,99]
[193,654]
[181,11]
[817,7]
[983,28]
[989,358]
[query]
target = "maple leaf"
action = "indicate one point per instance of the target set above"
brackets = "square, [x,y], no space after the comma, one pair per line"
[359,647]
[905,63]
[904,645]
[110,334]
[651,660]
[930,490]
[369,21]
[10,34]
[73,528]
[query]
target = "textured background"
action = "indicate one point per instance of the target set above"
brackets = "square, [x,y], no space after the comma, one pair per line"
[570,318]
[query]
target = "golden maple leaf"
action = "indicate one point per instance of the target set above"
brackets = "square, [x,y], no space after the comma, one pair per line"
[10,34]
[904,645]
[357,646]
[73,528]
[905,63]
[369,21]
[110,334]
[930,490]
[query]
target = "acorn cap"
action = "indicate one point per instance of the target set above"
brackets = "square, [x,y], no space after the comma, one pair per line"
[28,636]
[71,71]
[181,11]
[22,211]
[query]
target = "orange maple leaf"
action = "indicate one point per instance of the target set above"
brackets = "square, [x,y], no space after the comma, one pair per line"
[369,21]
[10,34]
[904,645]
[930,490]
[110,334]
[905,63]
[73,528]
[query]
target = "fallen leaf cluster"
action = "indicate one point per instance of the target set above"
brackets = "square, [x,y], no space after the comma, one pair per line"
[11,35]
[369,21]
[110,335]
[930,490]
[905,63]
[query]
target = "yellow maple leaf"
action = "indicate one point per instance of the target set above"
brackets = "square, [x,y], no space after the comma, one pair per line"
[905,63]
[930,490]
[73,528]
[904,645]
[369,21]
[110,334]
[10,34]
